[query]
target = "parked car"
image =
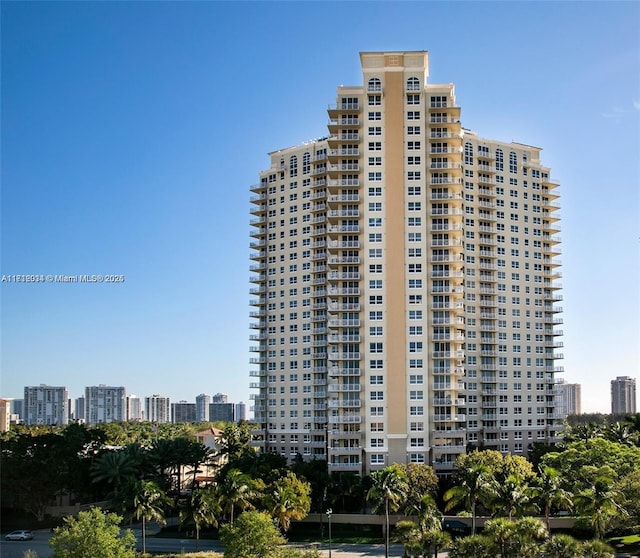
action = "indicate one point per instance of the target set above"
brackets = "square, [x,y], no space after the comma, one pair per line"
[22,535]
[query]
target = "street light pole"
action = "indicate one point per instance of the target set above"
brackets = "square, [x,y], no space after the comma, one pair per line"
[329,512]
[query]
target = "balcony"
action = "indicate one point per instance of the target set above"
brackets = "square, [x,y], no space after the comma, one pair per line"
[344,356]
[347,388]
[345,404]
[345,419]
[337,372]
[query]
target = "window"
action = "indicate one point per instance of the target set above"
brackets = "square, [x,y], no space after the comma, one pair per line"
[374,84]
[413,84]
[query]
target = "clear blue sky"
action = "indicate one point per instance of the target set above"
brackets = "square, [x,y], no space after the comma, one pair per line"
[131,133]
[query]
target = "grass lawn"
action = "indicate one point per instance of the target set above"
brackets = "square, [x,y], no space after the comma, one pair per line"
[630,543]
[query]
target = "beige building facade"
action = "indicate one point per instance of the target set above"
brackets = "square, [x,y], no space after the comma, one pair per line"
[404,283]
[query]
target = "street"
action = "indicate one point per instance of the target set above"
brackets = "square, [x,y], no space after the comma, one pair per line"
[40,544]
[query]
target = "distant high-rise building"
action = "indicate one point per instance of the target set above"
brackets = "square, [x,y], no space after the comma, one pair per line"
[79,409]
[157,409]
[105,404]
[202,407]
[568,398]
[183,411]
[404,281]
[134,409]
[220,398]
[222,412]
[17,406]
[5,415]
[46,405]
[623,395]
[240,412]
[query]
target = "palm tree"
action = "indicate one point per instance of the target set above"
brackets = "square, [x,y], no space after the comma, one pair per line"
[474,484]
[596,549]
[288,498]
[236,490]
[600,501]
[518,538]
[148,504]
[621,433]
[550,493]
[429,516]
[436,539]
[203,508]
[563,546]
[388,491]
[475,546]
[510,495]
[502,532]
[114,467]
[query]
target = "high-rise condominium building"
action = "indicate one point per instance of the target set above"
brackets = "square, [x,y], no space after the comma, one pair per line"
[5,415]
[46,405]
[404,283]
[568,398]
[183,411]
[202,407]
[134,408]
[623,395]
[104,404]
[157,409]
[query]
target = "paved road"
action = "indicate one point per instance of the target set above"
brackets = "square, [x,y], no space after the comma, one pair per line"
[40,544]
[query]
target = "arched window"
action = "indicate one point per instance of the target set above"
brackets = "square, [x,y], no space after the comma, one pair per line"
[413,84]
[374,84]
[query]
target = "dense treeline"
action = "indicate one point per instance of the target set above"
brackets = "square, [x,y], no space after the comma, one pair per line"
[148,472]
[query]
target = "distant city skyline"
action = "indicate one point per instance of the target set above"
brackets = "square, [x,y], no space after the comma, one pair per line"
[48,404]
[131,134]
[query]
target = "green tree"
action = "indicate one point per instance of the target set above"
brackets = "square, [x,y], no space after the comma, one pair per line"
[288,498]
[202,509]
[31,465]
[236,440]
[421,480]
[91,531]
[116,469]
[390,487]
[629,490]
[236,491]
[550,493]
[435,539]
[510,497]
[596,549]
[516,539]
[407,533]
[149,503]
[474,482]
[475,546]
[253,535]
[563,546]
[600,500]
